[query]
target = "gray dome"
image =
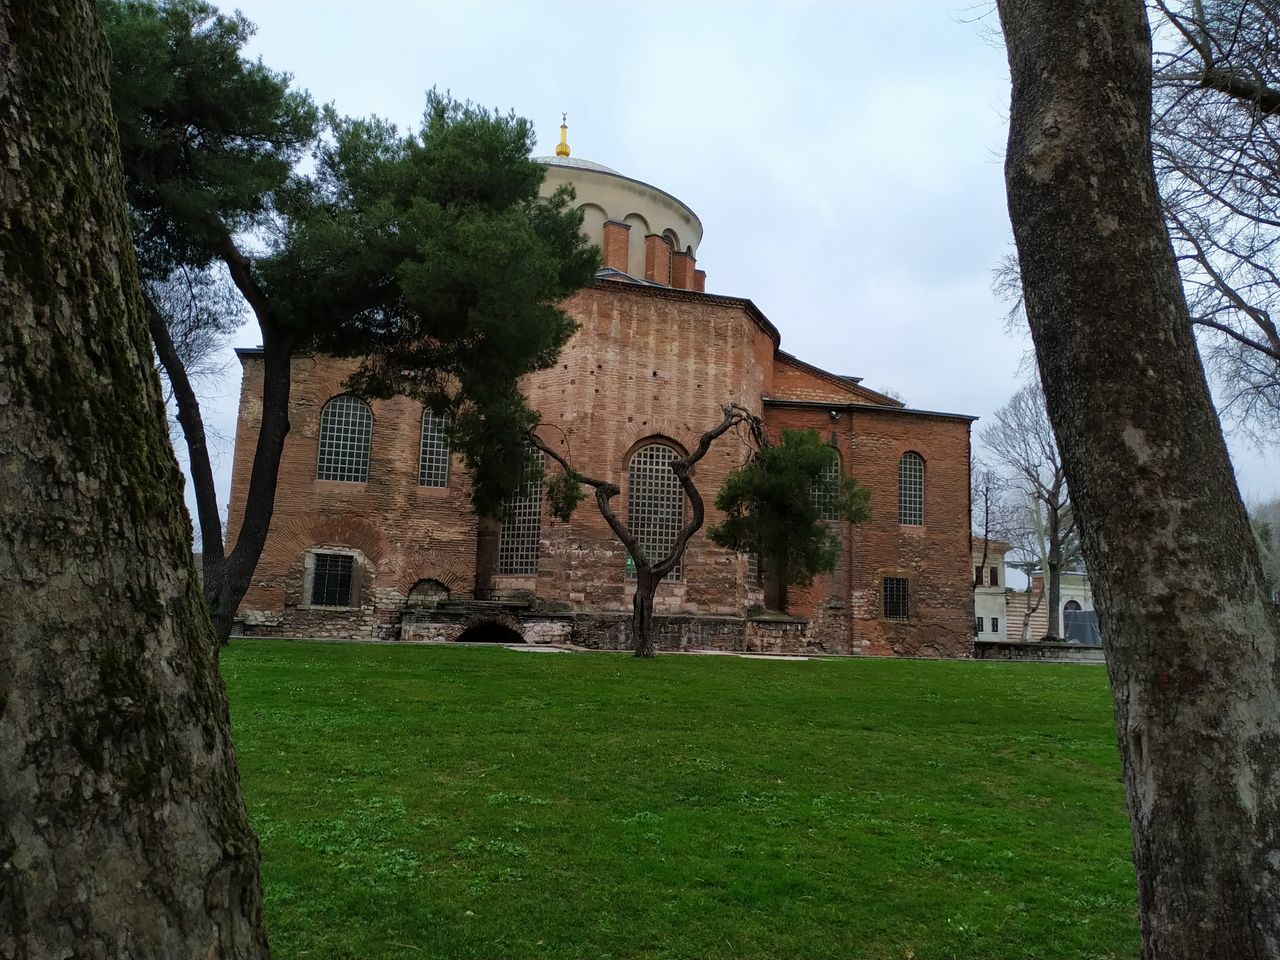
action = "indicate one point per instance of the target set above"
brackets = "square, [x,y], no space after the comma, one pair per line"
[575,162]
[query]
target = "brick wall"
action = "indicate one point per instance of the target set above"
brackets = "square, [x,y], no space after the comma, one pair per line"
[644,364]
[934,558]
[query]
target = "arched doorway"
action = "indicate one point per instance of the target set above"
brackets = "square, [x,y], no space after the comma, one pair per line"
[489,632]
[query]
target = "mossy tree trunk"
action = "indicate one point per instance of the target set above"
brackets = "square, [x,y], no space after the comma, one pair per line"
[122,828]
[1191,639]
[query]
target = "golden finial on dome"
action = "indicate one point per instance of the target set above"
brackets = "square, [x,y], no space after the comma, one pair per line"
[562,148]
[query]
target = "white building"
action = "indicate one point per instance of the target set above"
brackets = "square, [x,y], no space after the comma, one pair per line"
[990,616]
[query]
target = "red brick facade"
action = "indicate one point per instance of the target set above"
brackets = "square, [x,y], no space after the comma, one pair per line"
[647,362]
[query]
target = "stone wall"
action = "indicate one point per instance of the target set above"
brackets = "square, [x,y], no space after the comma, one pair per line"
[1015,650]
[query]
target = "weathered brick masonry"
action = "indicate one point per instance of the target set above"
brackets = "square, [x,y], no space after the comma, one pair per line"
[651,361]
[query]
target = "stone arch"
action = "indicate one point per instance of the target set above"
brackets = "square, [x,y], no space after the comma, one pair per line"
[427,593]
[593,221]
[658,429]
[490,630]
[635,243]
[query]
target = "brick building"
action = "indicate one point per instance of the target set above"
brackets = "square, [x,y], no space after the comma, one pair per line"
[372,535]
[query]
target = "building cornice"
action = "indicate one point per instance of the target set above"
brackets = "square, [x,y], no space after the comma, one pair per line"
[868,407]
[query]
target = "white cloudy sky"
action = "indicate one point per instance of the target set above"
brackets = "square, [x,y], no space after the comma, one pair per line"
[845,157]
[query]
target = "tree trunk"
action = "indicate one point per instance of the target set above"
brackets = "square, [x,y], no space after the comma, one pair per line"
[784,577]
[192,423]
[642,614]
[260,500]
[1053,578]
[1191,640]
[122,829]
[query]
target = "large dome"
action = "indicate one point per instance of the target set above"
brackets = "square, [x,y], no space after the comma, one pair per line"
[642,212]
[575,162]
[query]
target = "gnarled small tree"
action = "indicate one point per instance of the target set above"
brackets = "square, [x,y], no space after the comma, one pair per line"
[565,493]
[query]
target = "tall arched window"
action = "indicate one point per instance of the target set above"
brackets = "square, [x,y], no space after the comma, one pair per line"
[911,489]
[825,490]
[433,463]
[346,424]
[655,502]
[522,520]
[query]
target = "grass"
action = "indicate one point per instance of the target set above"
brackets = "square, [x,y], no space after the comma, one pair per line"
[485,803]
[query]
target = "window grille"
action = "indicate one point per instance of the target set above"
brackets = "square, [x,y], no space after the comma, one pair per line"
[331,580]
[522,520]
[896,600]
[433,463]
[824,490]
[754,578]
[346,424]
[911,489]
[979,624]
[995,624]
[655,504]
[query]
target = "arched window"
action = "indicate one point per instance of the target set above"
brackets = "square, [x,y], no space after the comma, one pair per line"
[911,489]
[522,520]
[825,489]
[655,502]
[433,463]
[346,424]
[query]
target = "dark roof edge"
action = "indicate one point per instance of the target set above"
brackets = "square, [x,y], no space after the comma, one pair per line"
[874,407]
[243,352]
[678,293]
[854,384]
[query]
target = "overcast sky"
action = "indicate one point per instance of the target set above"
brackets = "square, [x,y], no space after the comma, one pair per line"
[844,157]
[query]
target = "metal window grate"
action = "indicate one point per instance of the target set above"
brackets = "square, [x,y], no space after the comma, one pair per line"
[346,425]
[522,520]
[655,504]
[754,574]
[911,489]
[433,463]
[331,580]
[825,488]
[896,599]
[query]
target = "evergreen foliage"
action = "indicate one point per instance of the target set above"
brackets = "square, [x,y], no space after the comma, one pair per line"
[770,509]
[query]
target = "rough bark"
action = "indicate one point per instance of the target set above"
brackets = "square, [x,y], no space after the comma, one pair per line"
[1191,640]
[122,829]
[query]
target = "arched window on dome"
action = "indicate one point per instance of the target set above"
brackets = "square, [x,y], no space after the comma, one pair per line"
[825,489]
[346,427]
[522,520]
[655,503]
[911,489]
[433,460]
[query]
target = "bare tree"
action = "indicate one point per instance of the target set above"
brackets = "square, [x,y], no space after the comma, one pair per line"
[565,494]
[1020,440]
[1195,672]
[1216,138]
[1216,144]
[122,828]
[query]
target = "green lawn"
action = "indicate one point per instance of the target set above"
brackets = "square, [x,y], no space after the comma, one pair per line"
[461,802]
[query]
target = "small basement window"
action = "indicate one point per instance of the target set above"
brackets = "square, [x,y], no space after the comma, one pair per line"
[896,598]
[331,580]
